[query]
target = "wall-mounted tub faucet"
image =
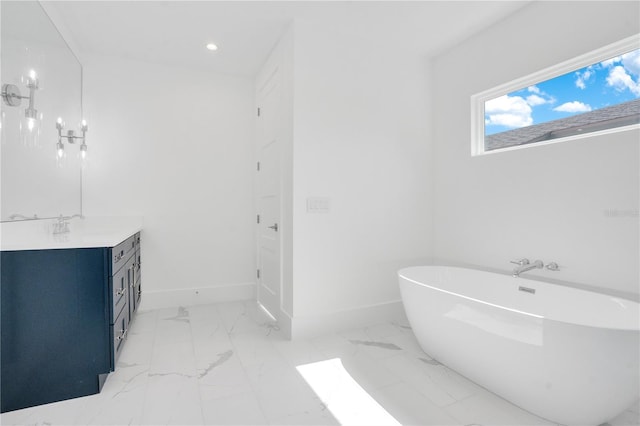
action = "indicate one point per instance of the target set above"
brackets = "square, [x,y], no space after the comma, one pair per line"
[524,265]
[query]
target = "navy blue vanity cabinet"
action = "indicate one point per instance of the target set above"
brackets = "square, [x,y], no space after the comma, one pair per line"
[124,285]
[135,289]
[65,314]
[55,340]
[123,259]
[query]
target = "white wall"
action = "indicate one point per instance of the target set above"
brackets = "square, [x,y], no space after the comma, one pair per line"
[176,147]
[360,139]
[548,202]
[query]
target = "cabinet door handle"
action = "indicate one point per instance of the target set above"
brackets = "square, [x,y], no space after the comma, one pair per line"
[121,291]
[123,335]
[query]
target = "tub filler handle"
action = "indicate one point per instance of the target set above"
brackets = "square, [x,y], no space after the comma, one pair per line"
[527,289]
[553,266]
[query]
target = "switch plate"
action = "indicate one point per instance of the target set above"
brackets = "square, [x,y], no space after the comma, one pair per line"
[318,205]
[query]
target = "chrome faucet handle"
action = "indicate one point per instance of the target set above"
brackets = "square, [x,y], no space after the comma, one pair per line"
[553,266]
[521,262]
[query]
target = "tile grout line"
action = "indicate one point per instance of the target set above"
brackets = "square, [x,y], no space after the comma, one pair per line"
[244,370]
[195,365]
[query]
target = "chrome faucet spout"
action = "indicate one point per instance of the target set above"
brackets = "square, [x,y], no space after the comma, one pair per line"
[527,267]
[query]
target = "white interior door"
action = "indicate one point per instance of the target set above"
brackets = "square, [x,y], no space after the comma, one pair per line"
[268,194]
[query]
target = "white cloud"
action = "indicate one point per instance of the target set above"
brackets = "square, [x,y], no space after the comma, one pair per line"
[574,106]
[610,62]
[622,70]
[510,120]
[535,100]
[619,79]
[583,77]
[631,62]
[538,97]
[509,111]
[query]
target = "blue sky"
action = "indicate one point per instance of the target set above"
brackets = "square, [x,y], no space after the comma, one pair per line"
[606,83]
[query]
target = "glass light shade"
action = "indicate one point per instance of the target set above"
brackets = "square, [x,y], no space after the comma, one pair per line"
[60,150]
[30,127]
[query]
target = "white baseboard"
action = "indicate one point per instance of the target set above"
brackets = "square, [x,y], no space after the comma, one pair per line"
[196,296]
[285,322]
[296,327]
[304,326]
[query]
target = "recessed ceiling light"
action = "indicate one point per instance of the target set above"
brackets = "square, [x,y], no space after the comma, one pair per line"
[212,46]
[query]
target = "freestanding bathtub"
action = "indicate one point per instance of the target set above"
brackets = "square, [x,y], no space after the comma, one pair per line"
[568,355]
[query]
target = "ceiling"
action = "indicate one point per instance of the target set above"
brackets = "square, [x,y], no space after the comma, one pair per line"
[175,32]
[26,21]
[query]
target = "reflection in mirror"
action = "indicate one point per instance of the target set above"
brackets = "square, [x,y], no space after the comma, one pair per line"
[41,80]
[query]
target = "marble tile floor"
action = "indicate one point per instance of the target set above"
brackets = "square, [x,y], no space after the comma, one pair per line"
[228,364]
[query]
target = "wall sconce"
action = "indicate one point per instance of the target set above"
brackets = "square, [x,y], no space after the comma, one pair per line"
[71,138]
[12,97]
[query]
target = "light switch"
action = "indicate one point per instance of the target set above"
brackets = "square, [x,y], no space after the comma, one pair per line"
[318,205]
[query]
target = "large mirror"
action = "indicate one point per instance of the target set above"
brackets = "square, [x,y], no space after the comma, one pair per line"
[42,81]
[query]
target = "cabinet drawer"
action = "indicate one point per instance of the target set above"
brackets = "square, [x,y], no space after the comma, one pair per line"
[119,331]
[137,281]
[137,267]
[133,297]
[120,287]
[138,294]
[121,252]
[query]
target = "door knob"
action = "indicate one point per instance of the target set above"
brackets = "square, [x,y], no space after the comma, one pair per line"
[274,227]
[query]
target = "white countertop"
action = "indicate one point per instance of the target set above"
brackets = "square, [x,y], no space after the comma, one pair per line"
[83,233]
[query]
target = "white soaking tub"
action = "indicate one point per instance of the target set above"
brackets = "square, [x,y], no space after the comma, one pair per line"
[568,355]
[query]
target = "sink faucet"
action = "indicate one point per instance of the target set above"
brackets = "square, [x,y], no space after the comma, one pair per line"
[524,265]
[61,226]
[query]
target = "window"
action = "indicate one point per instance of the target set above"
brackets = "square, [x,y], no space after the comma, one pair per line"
[594,94]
